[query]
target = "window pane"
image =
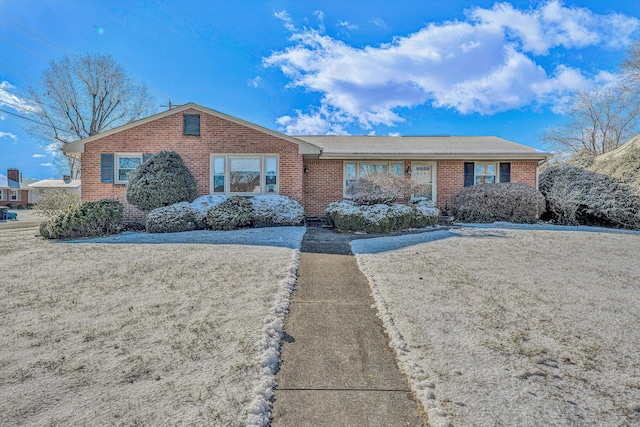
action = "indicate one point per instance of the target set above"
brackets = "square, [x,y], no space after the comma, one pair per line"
[350,171]
[485,169]
[371,169]
[271,165]
[218,184]
[123,174]
[396,169]
[245,175]
[251,164]
[218,165]
[485,179]
[129,162]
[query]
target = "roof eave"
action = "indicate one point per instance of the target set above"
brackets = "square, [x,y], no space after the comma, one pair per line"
[439,156]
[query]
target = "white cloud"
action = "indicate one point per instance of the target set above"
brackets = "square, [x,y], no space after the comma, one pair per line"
[552,25]
[54,147]
[255,82]
[484,65]
[379,22]
[9,136]
[13,101]
[347,25]
[38,156]
[284,16]
[46,164]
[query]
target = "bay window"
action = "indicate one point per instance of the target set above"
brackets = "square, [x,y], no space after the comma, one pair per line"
[244,174]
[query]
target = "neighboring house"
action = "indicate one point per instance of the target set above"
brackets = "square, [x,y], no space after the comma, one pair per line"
[230,156]
[13,192]
[40,188]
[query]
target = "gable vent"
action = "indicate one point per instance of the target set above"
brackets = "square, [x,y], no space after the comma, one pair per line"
[192,124]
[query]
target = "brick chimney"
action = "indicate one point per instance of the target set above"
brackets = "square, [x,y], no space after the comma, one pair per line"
[14,174]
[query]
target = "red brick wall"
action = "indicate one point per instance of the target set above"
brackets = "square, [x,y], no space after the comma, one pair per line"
[322,185]
[216,136]
[450,178]
[524,172]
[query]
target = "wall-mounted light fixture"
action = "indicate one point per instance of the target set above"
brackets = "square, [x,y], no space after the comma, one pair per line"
[407,171]
[306,169]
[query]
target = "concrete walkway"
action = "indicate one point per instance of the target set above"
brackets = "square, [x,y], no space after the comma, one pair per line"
[337,368]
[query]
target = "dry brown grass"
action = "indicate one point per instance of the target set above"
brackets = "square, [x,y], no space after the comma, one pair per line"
[505,328]
[131,334]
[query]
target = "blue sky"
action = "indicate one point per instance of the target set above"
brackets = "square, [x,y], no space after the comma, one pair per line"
[316,67]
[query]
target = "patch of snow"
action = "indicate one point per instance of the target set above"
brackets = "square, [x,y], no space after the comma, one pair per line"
[276,209]
[269,346]
[204,203]
[547,226]
[288,237]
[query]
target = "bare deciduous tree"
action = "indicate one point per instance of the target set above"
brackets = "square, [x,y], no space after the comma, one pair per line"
[83,95]
[600,119]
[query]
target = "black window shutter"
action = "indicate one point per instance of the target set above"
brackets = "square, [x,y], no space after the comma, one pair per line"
[468,174]
[192,124]
[106,168]
[505,172]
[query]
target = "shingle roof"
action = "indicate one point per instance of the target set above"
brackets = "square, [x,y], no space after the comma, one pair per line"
[56,183]
[6,182]
[421,146]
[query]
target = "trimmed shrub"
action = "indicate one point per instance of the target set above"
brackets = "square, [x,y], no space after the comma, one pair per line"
[30,205]
[89,219]
[9,205]
[20,207]
[235,212]
[346,215]
[513,202]
[578,196]
[425,213]
[383,188]
[275,211]
[172,219]
[202,205]
[161,181]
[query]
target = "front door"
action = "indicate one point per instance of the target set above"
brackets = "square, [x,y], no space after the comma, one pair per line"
[424,173]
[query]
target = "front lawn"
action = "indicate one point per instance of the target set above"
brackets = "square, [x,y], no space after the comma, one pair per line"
[500,327]
[107,332]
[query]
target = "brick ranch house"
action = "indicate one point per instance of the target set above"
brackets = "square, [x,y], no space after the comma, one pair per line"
[315,170]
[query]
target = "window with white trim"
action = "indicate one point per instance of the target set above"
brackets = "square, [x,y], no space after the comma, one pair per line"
[15,195]
[245,174]
[3,194]
[485,173]
[125,163]
[357,170]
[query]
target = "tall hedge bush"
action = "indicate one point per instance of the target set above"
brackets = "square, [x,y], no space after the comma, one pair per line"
[578,196]
[513,202]
[161,181]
